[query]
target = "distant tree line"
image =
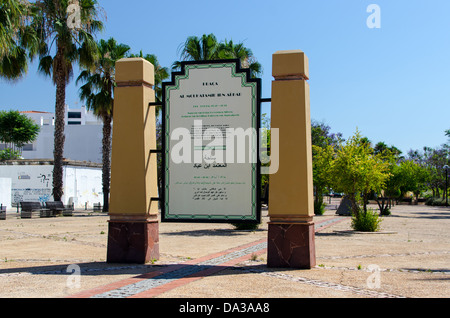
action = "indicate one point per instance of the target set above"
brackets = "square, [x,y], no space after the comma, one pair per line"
[363,171]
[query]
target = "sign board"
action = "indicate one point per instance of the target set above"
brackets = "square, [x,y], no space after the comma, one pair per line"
[211,118]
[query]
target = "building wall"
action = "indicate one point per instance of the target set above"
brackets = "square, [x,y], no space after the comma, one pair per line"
[5,192]
[29,182]
[83,185]
[83,143]
[32,181]
[83,131]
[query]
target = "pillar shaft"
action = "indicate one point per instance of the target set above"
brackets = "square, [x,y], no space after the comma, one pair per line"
[133,226]
[291,208]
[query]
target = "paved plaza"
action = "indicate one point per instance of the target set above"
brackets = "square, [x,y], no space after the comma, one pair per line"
[65,257]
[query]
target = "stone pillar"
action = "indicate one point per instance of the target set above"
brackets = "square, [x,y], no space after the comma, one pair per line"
[291,209]
[133,235]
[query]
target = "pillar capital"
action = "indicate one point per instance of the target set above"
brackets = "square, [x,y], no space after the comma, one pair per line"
[134,71]
[291,64]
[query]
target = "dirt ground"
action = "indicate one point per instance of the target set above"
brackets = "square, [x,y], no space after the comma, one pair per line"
[410,257]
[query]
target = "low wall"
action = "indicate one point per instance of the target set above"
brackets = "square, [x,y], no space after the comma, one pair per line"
[5,192]
[31,180]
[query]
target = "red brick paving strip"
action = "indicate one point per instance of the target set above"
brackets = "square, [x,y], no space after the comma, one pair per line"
[158,290]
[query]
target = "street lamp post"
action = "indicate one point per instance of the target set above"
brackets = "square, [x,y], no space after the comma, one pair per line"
[446,184]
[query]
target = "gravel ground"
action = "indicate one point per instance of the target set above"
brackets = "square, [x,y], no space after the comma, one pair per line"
[409,258]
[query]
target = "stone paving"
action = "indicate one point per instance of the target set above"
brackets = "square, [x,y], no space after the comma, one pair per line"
[409,258]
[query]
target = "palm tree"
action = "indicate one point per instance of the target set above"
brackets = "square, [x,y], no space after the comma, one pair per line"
[198,49]
[229,50]
[62,44]
[16,35]
[98,92]
[208,48]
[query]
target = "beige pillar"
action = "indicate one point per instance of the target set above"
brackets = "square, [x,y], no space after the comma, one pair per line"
[133,226]
[291,209]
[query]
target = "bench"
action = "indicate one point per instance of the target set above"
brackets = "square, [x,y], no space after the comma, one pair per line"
[58,208]
[32,209]
[97,207]
[2,212]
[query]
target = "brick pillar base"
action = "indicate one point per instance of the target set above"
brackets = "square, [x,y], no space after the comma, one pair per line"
[133,242]
[291,245]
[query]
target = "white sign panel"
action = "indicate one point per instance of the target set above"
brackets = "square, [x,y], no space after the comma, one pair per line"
[211,121]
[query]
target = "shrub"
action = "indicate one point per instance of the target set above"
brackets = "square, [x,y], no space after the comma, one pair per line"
[366,221]
[9,154]
[435,202]
[319,208]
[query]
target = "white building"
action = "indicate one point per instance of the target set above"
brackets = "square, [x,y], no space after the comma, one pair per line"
[31,179]
[83,133]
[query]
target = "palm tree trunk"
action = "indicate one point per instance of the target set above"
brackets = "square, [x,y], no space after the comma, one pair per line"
[106,153]
[59,136]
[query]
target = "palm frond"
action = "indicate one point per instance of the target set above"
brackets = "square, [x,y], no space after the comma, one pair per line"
[46,65]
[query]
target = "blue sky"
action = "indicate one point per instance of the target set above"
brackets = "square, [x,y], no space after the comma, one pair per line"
[392,82]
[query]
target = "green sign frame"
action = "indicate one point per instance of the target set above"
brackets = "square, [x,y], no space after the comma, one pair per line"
[218,94]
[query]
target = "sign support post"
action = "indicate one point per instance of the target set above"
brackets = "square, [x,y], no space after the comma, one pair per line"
[133,234]
[291,210]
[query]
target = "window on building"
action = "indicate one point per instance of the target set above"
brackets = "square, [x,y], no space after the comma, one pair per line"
[74,122]
[74,115]
[28,147]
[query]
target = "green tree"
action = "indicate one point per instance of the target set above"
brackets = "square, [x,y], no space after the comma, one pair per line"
[391,190]
[194,48]
[229,50]
[265,155]
[324,143]
[322,136]
[383,149]
[98,93]
[65,29]
[16,130]
[413,177]
[392,156]
[207,48]
[433,160]
[322,163]
[357,171]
